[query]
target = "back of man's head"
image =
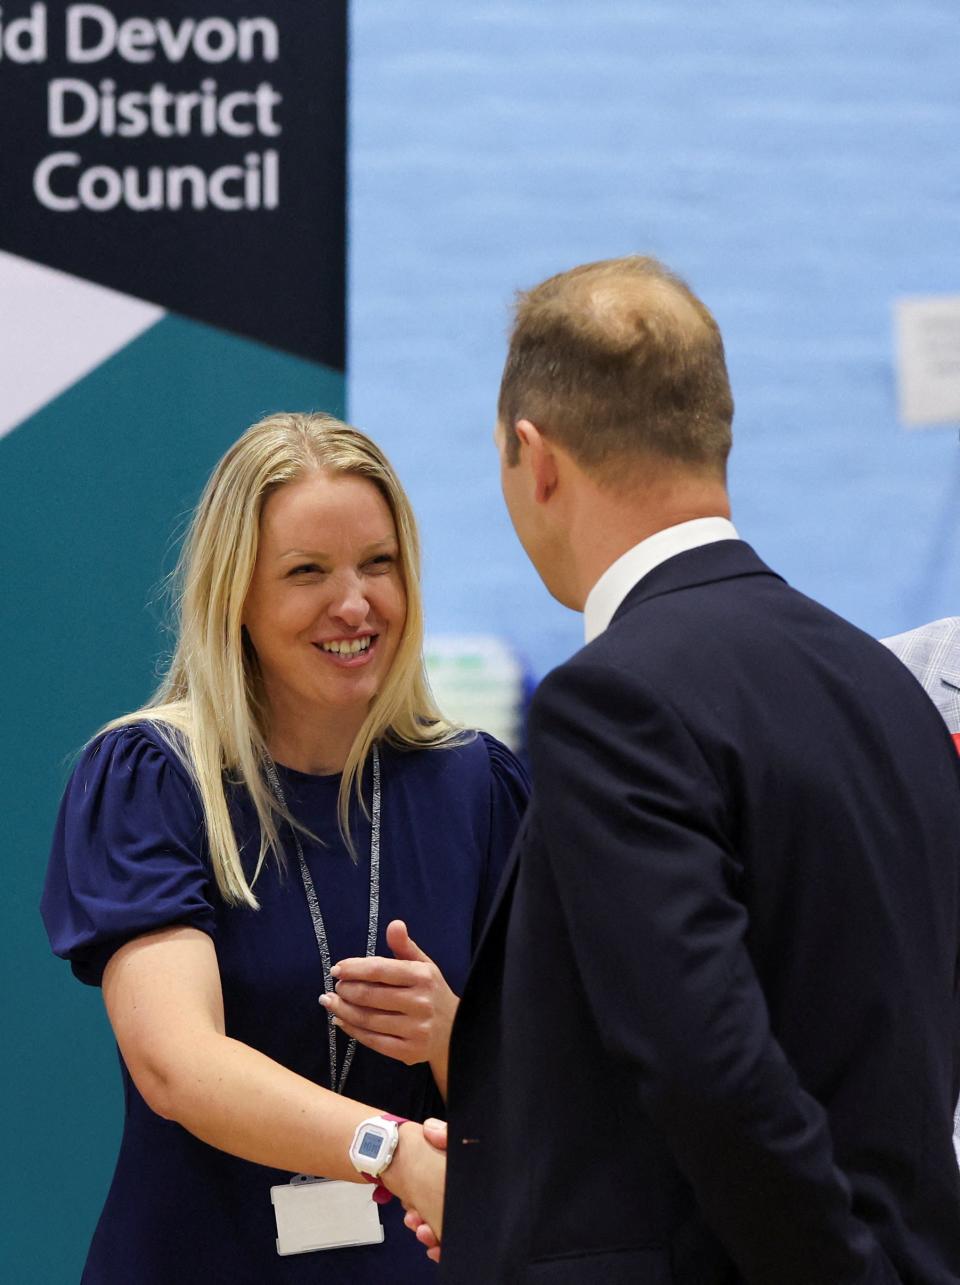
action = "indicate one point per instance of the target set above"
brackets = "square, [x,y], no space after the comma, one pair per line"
[619,362]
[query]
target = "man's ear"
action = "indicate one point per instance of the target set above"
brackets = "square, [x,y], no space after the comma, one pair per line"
[541,457]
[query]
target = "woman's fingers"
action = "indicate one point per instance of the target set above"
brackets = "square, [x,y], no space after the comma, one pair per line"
[402,1007]
[386,972]
[375,1020]
[424,1233]
[390,999]
[426,1237]
[389,1045]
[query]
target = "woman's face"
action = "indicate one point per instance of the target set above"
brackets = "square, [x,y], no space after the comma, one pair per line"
[326,605]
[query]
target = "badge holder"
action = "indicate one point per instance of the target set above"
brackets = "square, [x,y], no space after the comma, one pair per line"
[324,1213]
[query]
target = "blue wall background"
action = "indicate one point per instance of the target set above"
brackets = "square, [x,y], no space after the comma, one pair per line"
[798,164]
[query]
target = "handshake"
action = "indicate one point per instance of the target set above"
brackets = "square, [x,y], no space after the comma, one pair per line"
[417,1176]
[403,1008]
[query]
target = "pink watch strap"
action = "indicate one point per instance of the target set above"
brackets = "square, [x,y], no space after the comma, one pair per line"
[383,1194]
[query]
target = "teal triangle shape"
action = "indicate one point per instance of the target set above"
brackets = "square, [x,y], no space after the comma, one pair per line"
[94,490]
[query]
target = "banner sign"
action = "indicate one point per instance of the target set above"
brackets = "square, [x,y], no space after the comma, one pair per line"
[172,268]
[193,157]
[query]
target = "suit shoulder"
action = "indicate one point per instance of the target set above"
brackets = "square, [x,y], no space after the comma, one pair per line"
[589,664]
[596,683]
[932,654]
[938,634]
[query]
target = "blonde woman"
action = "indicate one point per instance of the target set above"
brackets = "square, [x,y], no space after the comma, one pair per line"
[290,798]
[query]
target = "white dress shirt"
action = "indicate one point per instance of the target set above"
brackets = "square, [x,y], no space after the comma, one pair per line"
[630,568]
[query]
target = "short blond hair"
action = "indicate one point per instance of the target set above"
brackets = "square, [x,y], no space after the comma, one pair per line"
[210,706]
[618,360]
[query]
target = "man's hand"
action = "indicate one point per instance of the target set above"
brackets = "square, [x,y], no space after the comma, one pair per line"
[434,1132]
[401,1007]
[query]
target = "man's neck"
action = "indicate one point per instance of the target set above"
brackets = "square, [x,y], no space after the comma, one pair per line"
[606,525]
[613,586]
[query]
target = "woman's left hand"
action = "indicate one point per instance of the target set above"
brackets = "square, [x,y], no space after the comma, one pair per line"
[401,1007]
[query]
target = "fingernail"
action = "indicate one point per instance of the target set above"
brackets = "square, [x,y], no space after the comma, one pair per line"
[335,971]
[336,1021]
[325,1001]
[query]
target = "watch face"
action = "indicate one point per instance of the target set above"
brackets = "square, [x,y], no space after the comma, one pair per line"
[370,1145]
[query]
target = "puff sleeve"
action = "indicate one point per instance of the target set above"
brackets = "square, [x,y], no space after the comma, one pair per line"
[509,793]
[128,853]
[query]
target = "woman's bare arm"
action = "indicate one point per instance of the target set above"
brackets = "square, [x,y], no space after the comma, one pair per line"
[165,1003]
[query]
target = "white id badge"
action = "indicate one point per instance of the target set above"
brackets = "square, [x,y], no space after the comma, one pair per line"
[322,1213]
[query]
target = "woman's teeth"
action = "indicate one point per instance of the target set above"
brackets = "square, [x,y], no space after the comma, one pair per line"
[349,647]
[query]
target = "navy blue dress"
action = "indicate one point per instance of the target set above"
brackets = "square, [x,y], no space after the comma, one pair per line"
[129,855]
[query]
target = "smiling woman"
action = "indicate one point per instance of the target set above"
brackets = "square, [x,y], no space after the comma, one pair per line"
[325,613]
[290,798]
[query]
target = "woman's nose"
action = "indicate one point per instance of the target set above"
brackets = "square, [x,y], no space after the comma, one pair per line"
[350,602]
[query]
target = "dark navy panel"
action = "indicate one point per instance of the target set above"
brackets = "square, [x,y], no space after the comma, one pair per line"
[271,269]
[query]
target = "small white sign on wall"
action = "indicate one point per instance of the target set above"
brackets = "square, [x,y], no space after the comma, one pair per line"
[928,360]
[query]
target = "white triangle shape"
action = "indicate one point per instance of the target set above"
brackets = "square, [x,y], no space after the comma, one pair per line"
[54,329]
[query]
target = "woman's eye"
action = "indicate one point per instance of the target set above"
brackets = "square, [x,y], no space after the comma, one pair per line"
[383,562]
[306,569]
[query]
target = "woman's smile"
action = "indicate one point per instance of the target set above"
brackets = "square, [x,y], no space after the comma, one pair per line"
[349,653]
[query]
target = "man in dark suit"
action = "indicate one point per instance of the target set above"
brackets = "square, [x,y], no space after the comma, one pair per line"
[711,1033]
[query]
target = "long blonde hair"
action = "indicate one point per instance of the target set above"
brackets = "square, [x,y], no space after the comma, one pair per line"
[210,706]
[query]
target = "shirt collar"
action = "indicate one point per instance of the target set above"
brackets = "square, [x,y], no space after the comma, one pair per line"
[630,568]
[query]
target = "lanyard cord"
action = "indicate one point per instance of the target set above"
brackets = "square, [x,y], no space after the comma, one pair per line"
[319,928]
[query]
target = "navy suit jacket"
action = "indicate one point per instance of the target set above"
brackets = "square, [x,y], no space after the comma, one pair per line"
[711,1032]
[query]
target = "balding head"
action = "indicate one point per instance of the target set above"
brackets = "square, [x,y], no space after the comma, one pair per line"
[618,361]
